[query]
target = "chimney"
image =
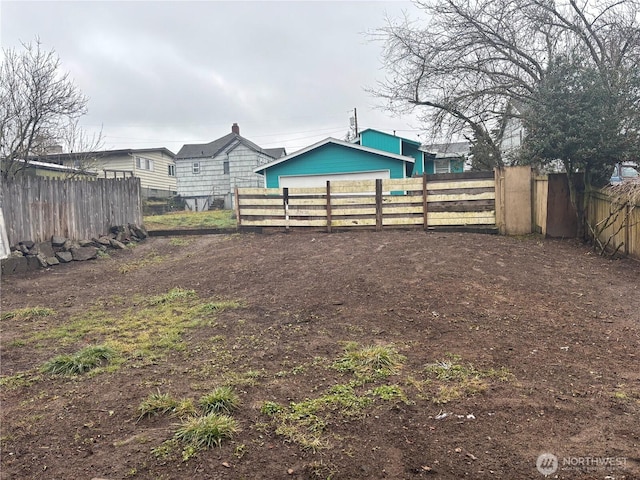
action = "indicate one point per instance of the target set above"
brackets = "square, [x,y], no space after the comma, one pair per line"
[235,129]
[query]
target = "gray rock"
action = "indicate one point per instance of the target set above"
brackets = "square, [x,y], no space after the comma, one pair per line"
[14,265]
[42,260]
[45,249]
[57,241]
[117,244]
[104,241]
[16,254]
[53,261]
[81,254]
[32,262]
[86,243]
[69,245]
[28,243]
[24,249]
[139,232]
[64,257]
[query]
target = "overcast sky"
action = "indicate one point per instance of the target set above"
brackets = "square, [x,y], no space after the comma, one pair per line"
[169,73]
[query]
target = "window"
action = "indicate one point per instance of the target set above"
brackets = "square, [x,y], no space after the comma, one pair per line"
[172,170]
[441,166]
[144,164]
[225,168]
[196,168]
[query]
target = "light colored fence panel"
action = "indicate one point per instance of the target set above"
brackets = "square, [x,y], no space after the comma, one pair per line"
[35,208]
[623,234]
[449,201]
[540,196]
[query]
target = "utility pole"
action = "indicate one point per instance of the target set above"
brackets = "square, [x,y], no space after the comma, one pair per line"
[355,118]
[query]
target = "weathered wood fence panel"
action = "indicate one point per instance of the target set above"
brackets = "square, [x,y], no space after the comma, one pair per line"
[35,208]
[452,200]
[623,234]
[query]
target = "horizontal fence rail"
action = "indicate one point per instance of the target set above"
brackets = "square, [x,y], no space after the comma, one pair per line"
[453,200]
[36,208]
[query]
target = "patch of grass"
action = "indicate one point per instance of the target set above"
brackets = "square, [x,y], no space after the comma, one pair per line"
[455,379]
[22,379]
[370,362]
[220,400]
[207,430]
[157,403]
[150,259]
[245,379]
[144,329]
[28,313]
[162,403]
[172,295]
[271,408]
[165,449]
[208,219]
[180,242]
[219,306]
[466,388]
[86,359]
[390,393]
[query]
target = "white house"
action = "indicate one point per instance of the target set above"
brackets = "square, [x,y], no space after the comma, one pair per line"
[154,166]
[208,173]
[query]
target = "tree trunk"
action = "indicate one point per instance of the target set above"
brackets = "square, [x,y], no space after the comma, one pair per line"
[577,185]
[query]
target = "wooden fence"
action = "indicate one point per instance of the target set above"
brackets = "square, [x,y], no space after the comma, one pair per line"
[35,208]
[447,200]
[623,233]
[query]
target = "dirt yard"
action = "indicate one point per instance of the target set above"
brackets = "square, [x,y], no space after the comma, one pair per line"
[357,355]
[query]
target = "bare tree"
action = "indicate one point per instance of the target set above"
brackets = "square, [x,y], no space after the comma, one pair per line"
[38,104]
[472,60]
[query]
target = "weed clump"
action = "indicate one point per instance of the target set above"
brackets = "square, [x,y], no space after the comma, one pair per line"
[207,430]
[459,380]
[370,362]
[86,359]
[220,400]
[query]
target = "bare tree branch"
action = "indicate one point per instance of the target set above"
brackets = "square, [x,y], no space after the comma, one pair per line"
[37,104]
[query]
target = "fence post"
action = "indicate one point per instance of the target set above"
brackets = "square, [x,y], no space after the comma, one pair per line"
[328,206]
[378,204]
[285,199]
[425,223]
[627,226]
[237,202]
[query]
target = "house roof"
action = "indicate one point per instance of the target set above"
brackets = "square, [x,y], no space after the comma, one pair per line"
[55,167]
[108,153]
[406,140]
[445,150]
[211,149]
[276,152]
[336,142]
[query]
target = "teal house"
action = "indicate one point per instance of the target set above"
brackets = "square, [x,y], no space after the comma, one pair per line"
[372,155]
[333,159]
[439,158]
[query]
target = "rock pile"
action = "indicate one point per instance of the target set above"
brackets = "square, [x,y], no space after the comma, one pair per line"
[28,255]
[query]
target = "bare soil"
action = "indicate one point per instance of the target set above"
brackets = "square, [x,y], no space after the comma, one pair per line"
[562,323]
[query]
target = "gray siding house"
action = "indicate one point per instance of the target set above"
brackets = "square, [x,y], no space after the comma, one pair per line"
[207,173]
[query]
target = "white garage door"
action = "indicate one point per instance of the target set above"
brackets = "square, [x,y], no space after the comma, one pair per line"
[301,181]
